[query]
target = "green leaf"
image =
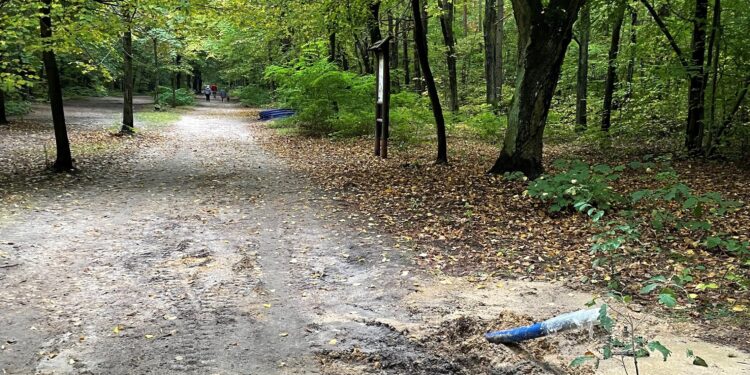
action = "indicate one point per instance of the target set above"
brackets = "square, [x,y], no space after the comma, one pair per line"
[579,361]
[667,299]
[606,322]
[698,361]
[638,195]
[648,288]
[657,346]
[689,203]
[659,278]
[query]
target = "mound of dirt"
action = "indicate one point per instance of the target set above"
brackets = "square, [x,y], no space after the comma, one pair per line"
[455,346]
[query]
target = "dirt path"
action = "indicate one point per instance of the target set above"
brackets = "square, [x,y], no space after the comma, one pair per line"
[207,256]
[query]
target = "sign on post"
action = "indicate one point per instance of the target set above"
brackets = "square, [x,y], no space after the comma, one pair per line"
[383,96]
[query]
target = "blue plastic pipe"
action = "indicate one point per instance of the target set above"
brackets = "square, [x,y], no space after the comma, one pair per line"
[559,323]
[275,113]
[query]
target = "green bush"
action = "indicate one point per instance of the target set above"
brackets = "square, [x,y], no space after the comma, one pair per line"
[411,117]
[17,108]
[578,185]
[488,126]
[85,91]
[327,101]
[183,96]
[252,95]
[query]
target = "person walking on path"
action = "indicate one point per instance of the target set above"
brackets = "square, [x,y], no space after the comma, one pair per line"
[213,90]
[207,92]
[223,95]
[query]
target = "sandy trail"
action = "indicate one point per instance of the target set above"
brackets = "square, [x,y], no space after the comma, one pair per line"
[206,255]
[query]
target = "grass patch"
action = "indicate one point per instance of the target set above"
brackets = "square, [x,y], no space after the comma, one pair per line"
[153,120]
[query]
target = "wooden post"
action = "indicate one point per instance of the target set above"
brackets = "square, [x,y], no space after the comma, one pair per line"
[383,96]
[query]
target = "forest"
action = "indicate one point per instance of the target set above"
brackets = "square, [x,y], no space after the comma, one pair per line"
[596,149]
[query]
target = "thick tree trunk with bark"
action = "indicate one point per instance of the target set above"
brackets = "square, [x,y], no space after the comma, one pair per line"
[3,118]
[332,47]
[582,79]
[64,159]
[446,25]
[696,96]
[178,75]
[714,50]
[127,86]
[405,45]
[373,22]
[611,80]
[544,34]
[631,63]
[493,50]
[420,39]
[418,86]
[156,69]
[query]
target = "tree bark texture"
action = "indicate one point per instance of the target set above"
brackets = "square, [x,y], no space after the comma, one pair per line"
[582,79]
[611,80]
[3,118]
[446,25]
[493,50]
[64,159]
[696,96]
[127,85]
[420,39]
[544,34]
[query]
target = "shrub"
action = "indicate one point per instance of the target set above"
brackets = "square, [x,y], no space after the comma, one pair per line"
[328,101]
[411,117]
[85,91]
[252,95]
[183,96]
[579,186]
[17,108]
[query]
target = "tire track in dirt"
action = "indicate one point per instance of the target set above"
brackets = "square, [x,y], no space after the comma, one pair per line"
[205,255]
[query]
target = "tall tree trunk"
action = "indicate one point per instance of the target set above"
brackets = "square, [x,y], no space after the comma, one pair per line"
[728,118]
[609,83]
[695,123]
[420,39]
[127,87]
[633,43]
[332,47]
[446,25]
[373,22]
[544,34]
[582,79]
[393,29]
[465,31]
[178,75]
[175,79]
[64,160]
[714,50]
[493,50]
[499,37]
[489,52]
[3,118]
[156,69]
[405,45]
[395,48]
[418,86]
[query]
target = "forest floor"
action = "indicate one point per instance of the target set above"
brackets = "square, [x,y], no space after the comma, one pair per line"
[193,249]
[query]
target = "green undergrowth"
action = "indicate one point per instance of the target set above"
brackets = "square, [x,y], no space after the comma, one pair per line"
[154,120]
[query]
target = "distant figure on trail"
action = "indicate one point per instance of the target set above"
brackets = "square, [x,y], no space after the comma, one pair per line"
[223,94]
[207,92]
[213,90]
